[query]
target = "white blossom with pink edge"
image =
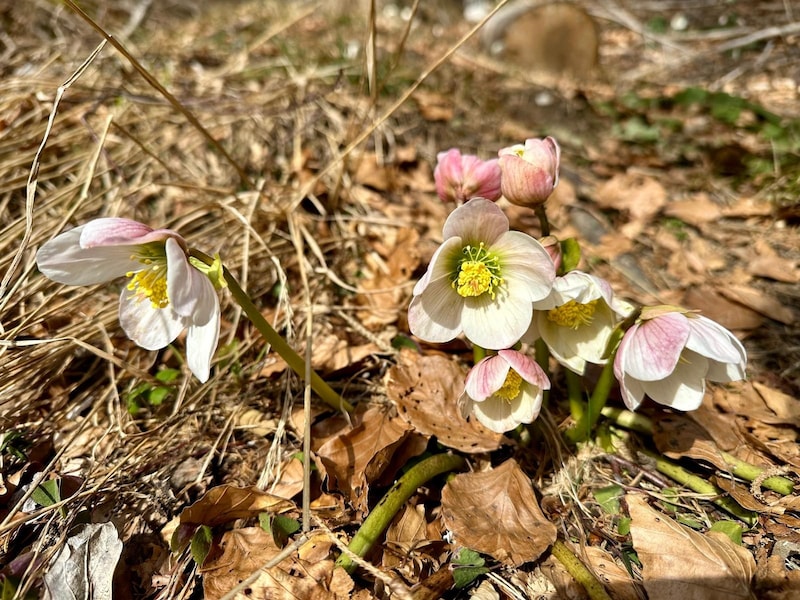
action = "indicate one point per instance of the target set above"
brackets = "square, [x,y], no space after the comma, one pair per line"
[670,352]
[504,390]
[165,293]
[576,319]
[481,281]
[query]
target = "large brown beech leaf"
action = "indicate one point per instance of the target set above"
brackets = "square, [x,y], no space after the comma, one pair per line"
[226,503]
[496,512]
[678,562]
[426,391]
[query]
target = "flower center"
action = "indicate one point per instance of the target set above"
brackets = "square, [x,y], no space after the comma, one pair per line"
[510,388]
[478,272]
[573,314]
[150,282]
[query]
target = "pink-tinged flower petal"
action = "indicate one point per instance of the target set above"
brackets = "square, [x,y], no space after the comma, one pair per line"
[481,178]
[479,220]
[527,368]
[498,323]
[632,389]
[115,231]
[527,267]
[685,387]
[448,175]
[441,265]
[713,341]
[202,338]
[63,260]
[151,328]
[530,173]
[486,377]
[653,349]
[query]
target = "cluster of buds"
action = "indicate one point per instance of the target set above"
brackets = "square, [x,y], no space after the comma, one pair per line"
[500,289]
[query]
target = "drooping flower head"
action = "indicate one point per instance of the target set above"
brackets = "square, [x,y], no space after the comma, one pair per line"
[504,390]
[530,171]
[481,281]
[165,293]
[460,177]
[576,319]
[670,352]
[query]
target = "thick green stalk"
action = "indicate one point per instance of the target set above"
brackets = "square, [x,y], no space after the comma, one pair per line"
[740,468]
[577,405]
[274,339]
[582,430]
[701,486]
[383,513]
[543,360]
[579,572]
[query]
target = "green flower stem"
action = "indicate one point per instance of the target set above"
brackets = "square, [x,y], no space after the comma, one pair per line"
[582,430]
[577,406]
[544,223]
[701,486]
[739,468]
[579,572]
[383,513]
[543,360]
[274,339]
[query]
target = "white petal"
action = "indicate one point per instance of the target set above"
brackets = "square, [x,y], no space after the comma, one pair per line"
[63,260]
[478,220]
[498,323]
[526,265]
[201,343]
[685,388]
[185,284]
[443,264]
[435,315]
[632,391]
[713,341]
[500,415]
[151,328]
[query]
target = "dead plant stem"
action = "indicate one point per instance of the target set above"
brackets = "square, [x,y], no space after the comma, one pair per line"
[579,572]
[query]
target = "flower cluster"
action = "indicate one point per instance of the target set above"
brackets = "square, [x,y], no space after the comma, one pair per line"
[500,288]
[166,292]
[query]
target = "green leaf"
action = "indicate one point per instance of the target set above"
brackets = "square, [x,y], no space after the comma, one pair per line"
[279,526]
[730,528]
[608,498]
[157,395]
[570,255]
[201,544]
[167,375]
[624,525]
[469,558]
[47,493]
[463,576]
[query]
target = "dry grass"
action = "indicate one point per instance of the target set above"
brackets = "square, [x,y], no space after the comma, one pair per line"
[285,210]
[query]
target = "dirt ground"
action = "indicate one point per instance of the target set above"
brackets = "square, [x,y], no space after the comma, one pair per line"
[298,141]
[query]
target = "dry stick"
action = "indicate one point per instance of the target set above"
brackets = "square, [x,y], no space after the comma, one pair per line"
[33,177]
[307,189]
[161,90]
[579,571]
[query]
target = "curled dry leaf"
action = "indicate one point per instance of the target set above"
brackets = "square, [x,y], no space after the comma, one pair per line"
[495,512]
[426,391]
[226,503]
[678,562]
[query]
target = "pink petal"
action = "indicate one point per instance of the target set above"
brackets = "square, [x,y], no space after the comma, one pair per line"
[476,221]
[527,368]
[63,260]
[486,377]
[114,231]
[653,349]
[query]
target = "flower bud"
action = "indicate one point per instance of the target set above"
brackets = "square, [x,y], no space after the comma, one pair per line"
[530,172]
[461,177]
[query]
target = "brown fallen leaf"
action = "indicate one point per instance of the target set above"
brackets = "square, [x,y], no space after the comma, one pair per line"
[496,512]
[678,562]
[758,301]
[713,305]
[226,503]
[426,391]
[642,197]
[615,578]
[785,407]
[697,210]
[355,458]
[770,265]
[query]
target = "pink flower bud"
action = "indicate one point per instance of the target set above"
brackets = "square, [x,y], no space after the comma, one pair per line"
[461,177]
[530,172]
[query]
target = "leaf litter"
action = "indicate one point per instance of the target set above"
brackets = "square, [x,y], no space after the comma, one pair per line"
[665,215]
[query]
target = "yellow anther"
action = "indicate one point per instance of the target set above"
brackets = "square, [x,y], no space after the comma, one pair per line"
[478,273]
[510,388]
[573,314]
[150,283]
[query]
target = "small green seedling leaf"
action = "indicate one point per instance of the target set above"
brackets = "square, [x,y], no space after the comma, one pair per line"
[730,528]
[47,493]
[201,544]
[467,567]
[279,526]
[624,525]
[167,375]
[608,498]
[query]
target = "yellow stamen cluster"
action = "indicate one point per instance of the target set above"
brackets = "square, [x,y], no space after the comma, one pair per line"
[150,282]
[510,388]
[478,273]
[573,314]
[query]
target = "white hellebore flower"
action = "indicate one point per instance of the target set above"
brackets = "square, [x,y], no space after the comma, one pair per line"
[482,280]
[576,319]
[504,390]
[670,352]
[165,293]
